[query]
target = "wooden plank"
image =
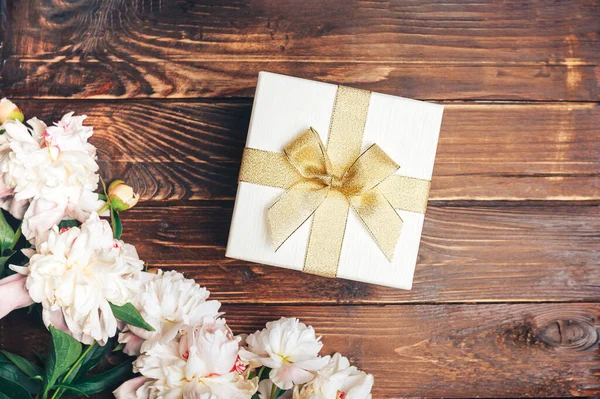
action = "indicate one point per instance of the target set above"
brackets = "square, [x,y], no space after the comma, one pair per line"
[159,48]
[474,254]
[497,350]
[192,150]
[87,79]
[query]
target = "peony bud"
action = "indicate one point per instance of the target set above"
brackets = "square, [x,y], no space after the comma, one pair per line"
[9,111]
[121,196]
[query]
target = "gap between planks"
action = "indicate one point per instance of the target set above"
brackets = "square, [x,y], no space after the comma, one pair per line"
[249,99]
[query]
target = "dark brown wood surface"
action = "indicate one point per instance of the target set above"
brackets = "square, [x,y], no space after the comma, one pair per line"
[535,50]
[431,350]
[506,296]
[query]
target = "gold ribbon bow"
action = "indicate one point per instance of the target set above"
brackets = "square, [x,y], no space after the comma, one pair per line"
[326,182]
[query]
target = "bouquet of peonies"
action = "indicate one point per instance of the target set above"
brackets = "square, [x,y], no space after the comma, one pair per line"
[96,298]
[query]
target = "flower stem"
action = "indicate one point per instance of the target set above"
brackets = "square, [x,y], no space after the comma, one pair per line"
[104,208]
[274,391]
[260,372]
[58,393]
[103,186]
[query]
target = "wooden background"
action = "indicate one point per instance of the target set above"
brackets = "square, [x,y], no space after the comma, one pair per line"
[506,296]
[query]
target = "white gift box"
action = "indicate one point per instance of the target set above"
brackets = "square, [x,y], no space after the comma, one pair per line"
[284,107]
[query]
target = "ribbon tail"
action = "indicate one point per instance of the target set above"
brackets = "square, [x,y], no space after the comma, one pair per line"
[406,193]
[327,236]
[380,219]
[267,169]
[293,208]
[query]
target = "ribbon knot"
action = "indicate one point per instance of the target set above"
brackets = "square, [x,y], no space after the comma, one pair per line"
[319,184]
[335,182]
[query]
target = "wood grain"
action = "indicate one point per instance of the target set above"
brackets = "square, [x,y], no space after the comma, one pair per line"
[537,50]
[192,150]
[505,350]
[506,297]
[467,254]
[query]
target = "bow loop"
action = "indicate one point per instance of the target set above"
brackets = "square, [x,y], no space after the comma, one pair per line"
[307,154]
[370,168]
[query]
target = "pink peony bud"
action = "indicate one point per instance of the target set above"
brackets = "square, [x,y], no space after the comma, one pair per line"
[9,111]
[121,196]
[14,293]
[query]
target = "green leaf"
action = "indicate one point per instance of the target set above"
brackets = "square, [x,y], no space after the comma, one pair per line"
[101,382]
[16,237]
[70,387]
[10,372]
[13,390]
[117,226]
[4,259]
[102,197]
[6,233]
[23,364]
[65,351]
[119,347]
[68,224]
[129,314]
[89,361]
[37,355]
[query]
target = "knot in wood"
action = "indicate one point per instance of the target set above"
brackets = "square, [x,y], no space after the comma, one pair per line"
[576,335]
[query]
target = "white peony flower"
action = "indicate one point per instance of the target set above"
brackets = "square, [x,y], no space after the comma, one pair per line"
[289,348]
[199,363]
[53,167]
[77,272]
[169,302]
[337,380]
[69,134]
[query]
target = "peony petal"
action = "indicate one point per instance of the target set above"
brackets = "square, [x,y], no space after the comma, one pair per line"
[289,375]
[313,364]
[29,252]
[10,279]
[18,131]
[133,343]
[87,204]
[128,389]
[40,217]
[38,127]
[265,387]
[362,389]
[17,208]
[14,294]
[56,319]
[195,390]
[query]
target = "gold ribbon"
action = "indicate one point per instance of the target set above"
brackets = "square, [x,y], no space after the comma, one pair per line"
[327,181]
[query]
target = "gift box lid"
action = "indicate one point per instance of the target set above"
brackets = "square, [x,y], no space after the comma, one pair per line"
[284,107]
